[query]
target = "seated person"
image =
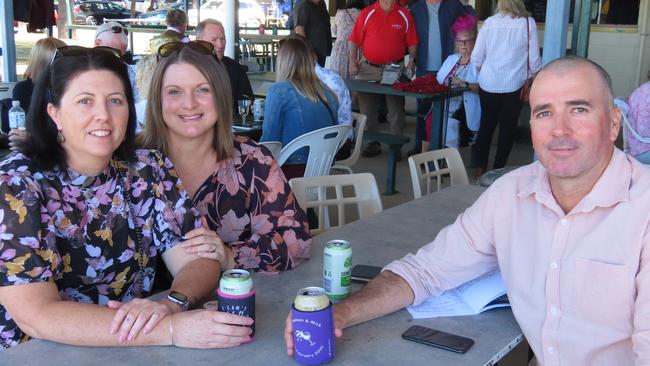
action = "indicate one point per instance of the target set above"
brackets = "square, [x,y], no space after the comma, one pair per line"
[298,102]
[85,217]
[39,58]
[639,118]
[570,234]
[234,182]
[212,31]
[143,72]
[464,110]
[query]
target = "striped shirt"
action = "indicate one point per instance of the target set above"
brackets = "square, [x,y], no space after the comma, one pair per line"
[500,53]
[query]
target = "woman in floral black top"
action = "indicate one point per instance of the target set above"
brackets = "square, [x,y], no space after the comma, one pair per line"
[235,183]
[84,218]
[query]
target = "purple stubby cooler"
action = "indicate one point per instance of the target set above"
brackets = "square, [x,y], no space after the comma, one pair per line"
[236,294]
[312,319]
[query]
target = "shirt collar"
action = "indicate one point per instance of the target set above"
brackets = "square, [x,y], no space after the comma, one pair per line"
[169,27]
[611,188]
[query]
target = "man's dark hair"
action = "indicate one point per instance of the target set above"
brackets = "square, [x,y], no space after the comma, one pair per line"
[42,145]
[176,18]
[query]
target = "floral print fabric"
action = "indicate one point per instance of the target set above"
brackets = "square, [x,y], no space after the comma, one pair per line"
[248,202]
[78,231]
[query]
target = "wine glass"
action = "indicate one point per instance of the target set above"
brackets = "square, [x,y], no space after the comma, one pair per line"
[244,106]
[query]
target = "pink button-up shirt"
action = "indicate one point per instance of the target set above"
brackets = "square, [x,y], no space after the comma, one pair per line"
[579,283]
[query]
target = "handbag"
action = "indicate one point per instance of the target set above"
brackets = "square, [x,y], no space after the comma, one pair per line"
[525,89]
[391,73]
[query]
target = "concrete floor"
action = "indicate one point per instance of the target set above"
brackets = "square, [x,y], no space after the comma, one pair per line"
[522,153]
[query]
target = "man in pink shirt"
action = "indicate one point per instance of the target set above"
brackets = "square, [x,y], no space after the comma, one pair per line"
[568,232]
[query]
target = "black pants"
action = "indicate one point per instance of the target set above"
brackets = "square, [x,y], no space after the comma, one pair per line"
[497,109]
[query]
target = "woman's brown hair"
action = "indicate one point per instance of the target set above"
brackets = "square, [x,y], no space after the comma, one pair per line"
[155,129]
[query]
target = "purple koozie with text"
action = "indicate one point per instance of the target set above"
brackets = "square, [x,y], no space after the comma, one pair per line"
[243,305]
[313,336]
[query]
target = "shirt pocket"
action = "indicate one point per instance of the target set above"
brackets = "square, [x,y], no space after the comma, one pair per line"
[603,293]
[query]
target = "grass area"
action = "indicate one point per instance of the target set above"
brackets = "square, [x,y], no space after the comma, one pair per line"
[22,52]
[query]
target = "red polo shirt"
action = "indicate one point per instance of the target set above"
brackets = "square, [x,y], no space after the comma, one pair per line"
[384,36]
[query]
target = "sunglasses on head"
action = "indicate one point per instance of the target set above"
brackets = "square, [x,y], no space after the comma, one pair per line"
[203,47]
[84,51]
[117,29]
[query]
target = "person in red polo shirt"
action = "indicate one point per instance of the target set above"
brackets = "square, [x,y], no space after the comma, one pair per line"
[382,31]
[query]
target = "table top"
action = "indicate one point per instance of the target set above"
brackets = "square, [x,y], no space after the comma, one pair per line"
[261,76]
[263,37]
[365,86]
[376,241]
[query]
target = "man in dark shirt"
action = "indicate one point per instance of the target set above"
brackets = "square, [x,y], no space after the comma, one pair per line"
[212,30]
[313,22]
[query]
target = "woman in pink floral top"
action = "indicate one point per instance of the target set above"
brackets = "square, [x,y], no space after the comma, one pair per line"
[235,183]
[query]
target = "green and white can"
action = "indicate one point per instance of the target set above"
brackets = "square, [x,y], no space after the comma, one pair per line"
[337,269]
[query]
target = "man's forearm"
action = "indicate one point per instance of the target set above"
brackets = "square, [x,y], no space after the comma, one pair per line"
[385,294]
[197,278]
[353,51]
[413,52]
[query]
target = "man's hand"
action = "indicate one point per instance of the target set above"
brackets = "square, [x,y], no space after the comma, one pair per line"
[354,67]
[339,324]
[411,67]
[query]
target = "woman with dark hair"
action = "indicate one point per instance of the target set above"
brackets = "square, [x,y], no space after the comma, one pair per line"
[85,217]
[344,20]
[234,182]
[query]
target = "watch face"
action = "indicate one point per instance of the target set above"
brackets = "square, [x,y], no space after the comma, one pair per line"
[182,299]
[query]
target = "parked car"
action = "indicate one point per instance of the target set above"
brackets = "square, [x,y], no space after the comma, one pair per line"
[158,16]
[250,12]
[94,12]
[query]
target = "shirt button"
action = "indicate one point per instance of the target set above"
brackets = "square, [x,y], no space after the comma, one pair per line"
[550,350]
[564,222]
[553,265]
[553,310]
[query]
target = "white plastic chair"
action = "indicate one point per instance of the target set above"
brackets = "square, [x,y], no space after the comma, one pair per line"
[6,89]
[421,169]
[340,191]
[274,147]
[323,145]
[359,128]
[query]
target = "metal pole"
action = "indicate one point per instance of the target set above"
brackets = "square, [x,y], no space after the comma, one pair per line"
[230,26]
[8,42]
[582,45]
[555,29]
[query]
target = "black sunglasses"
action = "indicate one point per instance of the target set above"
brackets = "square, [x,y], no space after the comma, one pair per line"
[117,29]
[202,47]
[83,51]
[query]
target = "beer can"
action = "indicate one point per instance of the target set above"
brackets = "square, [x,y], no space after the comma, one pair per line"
[337,268]
[311,299]
[236,282]
[236,294]
[312,320]
[258,110]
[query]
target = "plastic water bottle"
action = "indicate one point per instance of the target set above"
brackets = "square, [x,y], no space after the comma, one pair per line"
[16,116]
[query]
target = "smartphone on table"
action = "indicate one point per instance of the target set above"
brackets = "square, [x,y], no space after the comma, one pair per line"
[439,339]
[362,273]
